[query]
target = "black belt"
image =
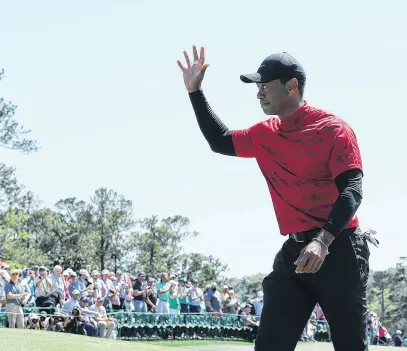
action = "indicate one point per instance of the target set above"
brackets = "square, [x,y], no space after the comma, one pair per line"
[304,237]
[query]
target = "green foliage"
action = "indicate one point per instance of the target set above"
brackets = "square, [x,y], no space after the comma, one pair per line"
[111,218]
[101,233]
[387,296]
[206,269]
[12,134]
[248,285]
[158,244]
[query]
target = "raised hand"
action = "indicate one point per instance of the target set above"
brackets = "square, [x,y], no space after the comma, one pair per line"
[194,73]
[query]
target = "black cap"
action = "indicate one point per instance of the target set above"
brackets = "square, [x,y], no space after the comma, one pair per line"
[276,66]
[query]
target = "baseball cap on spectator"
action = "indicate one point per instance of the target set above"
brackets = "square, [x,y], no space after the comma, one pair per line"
[119,273]
[76,292]
[35,268]
[101,299]
[83,298]
[141,274]
[42,268]
[83,272]
[105,271]
[73,274]
[194,281]
[151,280]
[65,273]
[95,272]
[15,271]
[276,66]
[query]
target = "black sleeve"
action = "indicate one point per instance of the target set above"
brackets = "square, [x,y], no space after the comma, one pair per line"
[218,136]
[349,185]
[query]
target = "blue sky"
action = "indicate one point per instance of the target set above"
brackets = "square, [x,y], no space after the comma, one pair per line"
[98,83]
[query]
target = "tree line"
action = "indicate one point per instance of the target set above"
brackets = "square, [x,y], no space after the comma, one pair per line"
[387,296]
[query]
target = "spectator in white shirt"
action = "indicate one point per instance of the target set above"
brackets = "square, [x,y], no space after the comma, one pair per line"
[110,289]
[58,281]
[258,303]
[106,324]
[99,287]
[43,286]
[72,302]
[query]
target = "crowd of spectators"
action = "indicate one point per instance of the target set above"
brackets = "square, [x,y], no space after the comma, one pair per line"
[80,302]
[377,334]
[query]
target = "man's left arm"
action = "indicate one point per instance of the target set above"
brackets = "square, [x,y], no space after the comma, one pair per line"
[345,164]
[349,185]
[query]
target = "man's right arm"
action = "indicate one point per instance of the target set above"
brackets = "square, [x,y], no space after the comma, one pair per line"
[218,136]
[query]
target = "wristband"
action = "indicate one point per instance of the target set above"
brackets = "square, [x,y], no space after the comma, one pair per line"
[322,243]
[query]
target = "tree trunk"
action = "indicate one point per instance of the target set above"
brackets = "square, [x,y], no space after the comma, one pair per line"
[152,253]
[102,256]
[382,301]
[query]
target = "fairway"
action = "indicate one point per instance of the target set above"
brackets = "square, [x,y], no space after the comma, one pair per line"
[29,340]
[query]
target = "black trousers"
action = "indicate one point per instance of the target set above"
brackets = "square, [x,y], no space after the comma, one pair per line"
[184,308]
[339,287]
[194,309]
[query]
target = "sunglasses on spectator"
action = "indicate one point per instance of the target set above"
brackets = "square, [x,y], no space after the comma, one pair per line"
[14,274]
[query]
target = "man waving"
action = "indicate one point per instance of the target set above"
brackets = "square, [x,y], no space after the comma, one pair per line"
[312,165]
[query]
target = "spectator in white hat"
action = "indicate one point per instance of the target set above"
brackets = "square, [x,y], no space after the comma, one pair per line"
[397,339]
[72,302]
[106,324]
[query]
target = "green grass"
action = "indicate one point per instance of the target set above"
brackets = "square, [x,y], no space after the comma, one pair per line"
[33,340]
[194,343]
